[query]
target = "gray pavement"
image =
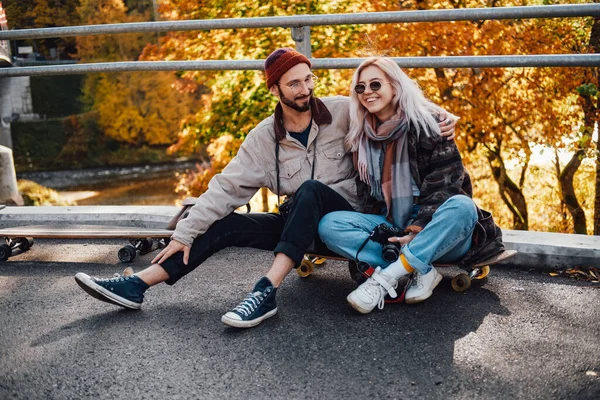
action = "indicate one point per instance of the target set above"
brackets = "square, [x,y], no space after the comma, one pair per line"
[524,335]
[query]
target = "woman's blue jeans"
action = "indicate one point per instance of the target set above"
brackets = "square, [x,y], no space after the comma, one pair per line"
[446,238]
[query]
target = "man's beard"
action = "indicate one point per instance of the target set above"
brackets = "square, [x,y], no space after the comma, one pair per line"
[292,103]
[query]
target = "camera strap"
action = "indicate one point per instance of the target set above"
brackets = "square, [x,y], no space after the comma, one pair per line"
[362,246]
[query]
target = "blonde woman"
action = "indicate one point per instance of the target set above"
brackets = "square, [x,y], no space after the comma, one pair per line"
[420,181]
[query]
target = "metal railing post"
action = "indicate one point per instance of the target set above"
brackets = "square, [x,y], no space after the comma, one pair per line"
[301,35]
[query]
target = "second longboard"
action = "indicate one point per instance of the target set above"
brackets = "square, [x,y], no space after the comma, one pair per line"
[140,239]
[460,282]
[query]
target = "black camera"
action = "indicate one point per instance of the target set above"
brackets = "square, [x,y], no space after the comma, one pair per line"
[381,234]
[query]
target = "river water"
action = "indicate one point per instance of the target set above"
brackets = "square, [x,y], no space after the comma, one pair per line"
[138,185]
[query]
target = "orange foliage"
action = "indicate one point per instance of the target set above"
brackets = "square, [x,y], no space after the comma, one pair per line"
[504,111]
[221,151]
[136,108]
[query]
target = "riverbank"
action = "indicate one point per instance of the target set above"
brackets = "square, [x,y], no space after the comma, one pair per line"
[130,185]
[78,179]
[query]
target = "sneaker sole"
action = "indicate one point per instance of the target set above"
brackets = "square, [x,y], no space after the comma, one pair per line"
[247,324]
[419,299]
[356,306]
[100,293]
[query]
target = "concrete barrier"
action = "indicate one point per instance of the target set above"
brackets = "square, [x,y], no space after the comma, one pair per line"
[549,251]
[9,193]
[135,216]
[543,251]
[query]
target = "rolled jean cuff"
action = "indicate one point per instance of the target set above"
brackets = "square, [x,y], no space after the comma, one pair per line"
[173,269]
[291,251]
[414,262]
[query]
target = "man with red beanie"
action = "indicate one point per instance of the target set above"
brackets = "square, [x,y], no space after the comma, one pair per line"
[298,151]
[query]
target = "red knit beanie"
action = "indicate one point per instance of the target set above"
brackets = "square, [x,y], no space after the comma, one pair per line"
[281,61]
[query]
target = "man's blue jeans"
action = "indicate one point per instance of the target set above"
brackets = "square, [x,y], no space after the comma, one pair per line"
[446,238]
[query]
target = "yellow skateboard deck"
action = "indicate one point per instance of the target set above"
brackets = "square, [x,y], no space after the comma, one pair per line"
[460,282]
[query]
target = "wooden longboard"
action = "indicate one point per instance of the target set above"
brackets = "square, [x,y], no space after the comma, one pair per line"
[83,232]
[20,238]
[505,255]
[140,239]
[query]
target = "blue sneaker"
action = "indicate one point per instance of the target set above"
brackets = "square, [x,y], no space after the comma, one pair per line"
[124,291]
[255,308]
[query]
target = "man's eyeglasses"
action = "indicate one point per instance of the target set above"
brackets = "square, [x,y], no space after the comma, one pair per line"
[296,86]
[375,86]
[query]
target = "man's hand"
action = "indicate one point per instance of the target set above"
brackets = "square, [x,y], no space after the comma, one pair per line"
[447,126]
[173,247]
[403,240]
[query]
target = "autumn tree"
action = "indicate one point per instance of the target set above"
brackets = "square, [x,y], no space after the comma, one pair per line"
[504,111]
[135,108]
[588,99]
[242,95]
[221,151]
[26,14]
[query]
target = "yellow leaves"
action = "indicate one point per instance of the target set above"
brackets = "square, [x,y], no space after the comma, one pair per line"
[590,274]
[221,151]
[148,108]
[35,194]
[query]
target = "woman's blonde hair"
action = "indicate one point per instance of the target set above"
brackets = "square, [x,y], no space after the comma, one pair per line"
[419,111]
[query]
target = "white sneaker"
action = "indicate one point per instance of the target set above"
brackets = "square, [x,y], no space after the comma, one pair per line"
[372,292]
[421,287]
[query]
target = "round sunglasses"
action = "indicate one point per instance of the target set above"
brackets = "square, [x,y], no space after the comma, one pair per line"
[374,86]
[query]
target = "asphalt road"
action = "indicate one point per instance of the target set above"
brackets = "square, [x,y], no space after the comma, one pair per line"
[524,335]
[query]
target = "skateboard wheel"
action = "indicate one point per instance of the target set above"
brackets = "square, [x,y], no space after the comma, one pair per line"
[483,272]
[5,252]
[146,245]
[319,260]
[24,243]
[461,282]
[305,269]
[127,254]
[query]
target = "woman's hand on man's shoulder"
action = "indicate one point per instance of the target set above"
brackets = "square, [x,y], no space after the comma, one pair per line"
[447,126]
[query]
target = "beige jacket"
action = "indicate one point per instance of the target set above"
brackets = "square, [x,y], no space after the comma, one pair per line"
[254,166]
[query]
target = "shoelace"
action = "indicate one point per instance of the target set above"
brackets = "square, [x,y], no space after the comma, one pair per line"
[374,289]
[115,278]
[416,280]
[251,303]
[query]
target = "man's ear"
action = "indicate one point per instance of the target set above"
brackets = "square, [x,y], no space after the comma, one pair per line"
[274,91]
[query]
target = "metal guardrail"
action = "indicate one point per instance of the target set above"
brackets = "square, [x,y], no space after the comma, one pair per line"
[301,34]
[33,63]
[463,14]
[549,60]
